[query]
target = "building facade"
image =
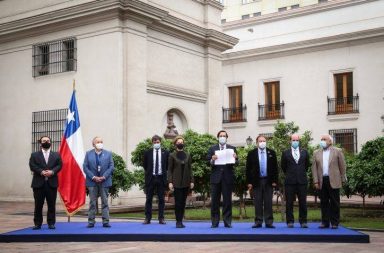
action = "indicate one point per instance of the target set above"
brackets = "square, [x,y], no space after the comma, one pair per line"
[320,67]
[138,65]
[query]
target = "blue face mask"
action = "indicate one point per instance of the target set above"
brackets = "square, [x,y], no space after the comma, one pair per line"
[295,144]
[323,144]
[156,145]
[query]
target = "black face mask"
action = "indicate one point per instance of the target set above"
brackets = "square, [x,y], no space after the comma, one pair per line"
[180,146]
[45,145]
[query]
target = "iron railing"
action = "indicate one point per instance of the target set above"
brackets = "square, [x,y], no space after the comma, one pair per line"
[49,123]
[235,114]
[54,57]
[343,105]
[346,138]
[271,111]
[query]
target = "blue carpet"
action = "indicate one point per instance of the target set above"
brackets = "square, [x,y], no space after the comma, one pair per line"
[194,231]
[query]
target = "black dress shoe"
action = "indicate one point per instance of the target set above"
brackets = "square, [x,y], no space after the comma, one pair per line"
[269,226]
[146,221]
[180,225]
[90,225]
[106,225]
[228,225]
[256,226]
[162,222]
[323,226]
[214,225]
[51,226]
[36,227]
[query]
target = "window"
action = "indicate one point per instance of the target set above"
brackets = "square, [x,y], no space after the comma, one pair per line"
[50,123]
[273,108]
[54,57]
[245,16]
[343,92]
[236,111]
[346,138]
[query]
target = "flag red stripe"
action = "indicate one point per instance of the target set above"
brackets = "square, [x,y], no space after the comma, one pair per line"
[71,180]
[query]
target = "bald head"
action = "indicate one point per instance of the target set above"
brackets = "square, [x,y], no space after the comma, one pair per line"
[295,137]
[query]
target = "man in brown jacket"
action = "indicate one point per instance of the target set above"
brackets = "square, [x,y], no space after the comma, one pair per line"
[328,170]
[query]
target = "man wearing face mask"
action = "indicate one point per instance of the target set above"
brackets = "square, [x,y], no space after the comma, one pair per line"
[261,177]
[294,163]
[98,167]
[45,164]
[329,173]
[155,167]
[222,179]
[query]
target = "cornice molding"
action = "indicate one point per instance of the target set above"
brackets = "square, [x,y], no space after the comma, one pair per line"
[97,11]
[176,92]
[306,10]
[325,43]
[213,3]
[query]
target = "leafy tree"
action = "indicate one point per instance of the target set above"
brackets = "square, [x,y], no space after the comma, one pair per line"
[279,142]
[122,178]
[365,171]
[240,186]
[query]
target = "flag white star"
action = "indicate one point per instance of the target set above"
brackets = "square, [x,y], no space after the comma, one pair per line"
[70,116]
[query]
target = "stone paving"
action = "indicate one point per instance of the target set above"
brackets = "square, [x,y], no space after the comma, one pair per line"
[17,215]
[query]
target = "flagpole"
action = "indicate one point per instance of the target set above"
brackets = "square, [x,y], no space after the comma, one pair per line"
[74,85]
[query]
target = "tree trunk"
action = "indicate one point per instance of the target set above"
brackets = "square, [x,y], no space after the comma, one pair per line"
[363,205]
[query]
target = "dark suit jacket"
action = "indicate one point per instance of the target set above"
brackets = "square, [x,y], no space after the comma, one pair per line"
[148,165]
[180,171]
[37,165]
[221,172]
[295,173]
[253,167]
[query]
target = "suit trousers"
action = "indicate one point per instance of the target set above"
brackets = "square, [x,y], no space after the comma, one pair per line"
[330,203]
[40,194]
[157,183]
[263,202]
[180,201]
[94,193]
[217,190]
[291,190]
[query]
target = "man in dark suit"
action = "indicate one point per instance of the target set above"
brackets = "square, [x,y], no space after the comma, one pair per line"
[45,164]
[155,167]
[295,163]
[222,179]
[261,177]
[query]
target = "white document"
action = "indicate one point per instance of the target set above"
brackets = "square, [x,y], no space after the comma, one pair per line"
[225,157]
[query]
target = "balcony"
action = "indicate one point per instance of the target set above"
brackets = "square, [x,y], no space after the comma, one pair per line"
[271,111]
[235,114]
[343,105]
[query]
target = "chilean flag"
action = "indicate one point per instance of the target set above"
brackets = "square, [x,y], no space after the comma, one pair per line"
[71,176]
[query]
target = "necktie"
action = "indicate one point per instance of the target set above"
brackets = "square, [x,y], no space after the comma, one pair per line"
[157,163]
[295,155]
[262,164]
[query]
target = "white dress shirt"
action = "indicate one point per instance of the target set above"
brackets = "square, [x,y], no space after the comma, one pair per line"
[326,162]
[154,161]
[297,152]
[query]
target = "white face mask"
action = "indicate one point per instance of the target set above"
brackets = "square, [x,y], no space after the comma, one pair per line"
[262,144]
[222,140]
[99,146]
[156,145]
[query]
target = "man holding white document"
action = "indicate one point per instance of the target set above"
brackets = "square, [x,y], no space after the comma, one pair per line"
[222,158]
